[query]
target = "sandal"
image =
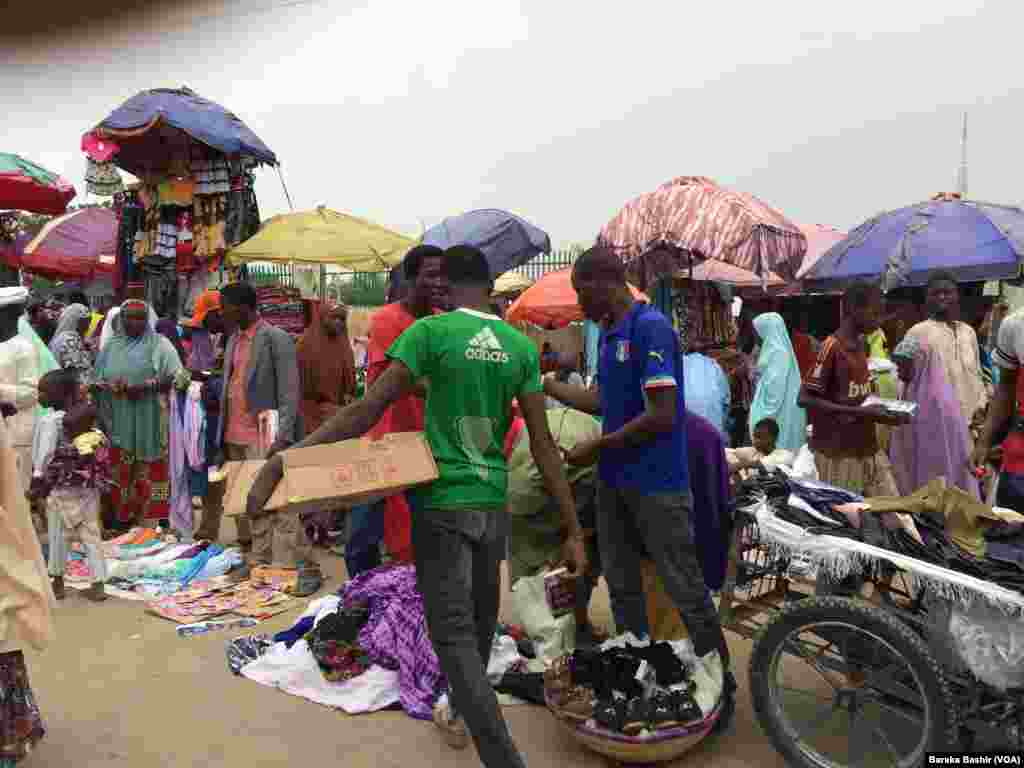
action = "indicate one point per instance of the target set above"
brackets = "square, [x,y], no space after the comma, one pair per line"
[685,707]
[668,668]
[576,703]
[611,714]
[661,712]
[636,716]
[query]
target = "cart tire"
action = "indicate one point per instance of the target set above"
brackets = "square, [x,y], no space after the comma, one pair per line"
[943,731]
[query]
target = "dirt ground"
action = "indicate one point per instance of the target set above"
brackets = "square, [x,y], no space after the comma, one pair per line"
[118,687]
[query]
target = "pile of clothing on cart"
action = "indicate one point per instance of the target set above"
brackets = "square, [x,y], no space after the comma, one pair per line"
[938,524]
[633,687]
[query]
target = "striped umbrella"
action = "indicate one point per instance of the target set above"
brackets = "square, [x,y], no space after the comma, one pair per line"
[692,215]
[26,186]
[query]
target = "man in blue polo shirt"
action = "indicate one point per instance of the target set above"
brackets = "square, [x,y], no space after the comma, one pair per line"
[643,467]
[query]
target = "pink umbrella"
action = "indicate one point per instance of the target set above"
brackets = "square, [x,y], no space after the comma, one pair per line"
[819,239]
[78,245]
[694,215]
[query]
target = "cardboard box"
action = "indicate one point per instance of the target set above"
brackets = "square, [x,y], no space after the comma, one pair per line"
[240,476]
[351,472]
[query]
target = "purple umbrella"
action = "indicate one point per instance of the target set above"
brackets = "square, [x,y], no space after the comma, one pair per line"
[156,129]
[980,241]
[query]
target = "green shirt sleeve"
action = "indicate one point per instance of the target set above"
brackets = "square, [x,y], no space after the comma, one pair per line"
[413,349]
[531,372]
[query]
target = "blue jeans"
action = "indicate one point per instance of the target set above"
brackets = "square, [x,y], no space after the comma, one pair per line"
[366,532]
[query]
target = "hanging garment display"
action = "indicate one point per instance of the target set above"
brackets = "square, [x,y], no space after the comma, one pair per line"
[208,214]
[102,179]
[243,214]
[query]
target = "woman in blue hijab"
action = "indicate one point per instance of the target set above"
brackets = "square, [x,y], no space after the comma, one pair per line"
[778,384]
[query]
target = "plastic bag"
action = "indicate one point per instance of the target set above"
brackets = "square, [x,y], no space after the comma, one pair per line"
[990,642]
[552,637]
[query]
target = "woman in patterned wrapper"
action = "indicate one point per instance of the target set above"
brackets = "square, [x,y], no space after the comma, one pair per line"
[135,370]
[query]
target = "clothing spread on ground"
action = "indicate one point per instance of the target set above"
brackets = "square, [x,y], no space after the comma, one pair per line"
[476,365]
[362,650]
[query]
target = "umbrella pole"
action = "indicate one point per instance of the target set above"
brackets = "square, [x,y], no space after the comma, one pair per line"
[284,186]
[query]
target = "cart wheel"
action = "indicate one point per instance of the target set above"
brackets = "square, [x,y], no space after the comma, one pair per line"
[837,682]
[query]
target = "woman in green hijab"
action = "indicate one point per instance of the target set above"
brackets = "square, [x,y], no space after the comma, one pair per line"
[134,373]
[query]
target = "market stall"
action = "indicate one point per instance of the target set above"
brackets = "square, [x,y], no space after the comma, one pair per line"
[690,220]
[195,197]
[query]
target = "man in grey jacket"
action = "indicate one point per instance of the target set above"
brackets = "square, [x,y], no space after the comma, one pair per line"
[261,374]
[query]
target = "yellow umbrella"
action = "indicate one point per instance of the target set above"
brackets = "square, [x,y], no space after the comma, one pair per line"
[511,282]
[323,236]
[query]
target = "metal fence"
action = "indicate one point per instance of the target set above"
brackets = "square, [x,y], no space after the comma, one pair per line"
[369,289]
[540,265]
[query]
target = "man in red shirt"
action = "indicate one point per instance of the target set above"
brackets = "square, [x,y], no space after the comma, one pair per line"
[427,293]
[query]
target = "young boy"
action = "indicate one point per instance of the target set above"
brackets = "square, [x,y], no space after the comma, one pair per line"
[766,433]
[70,468]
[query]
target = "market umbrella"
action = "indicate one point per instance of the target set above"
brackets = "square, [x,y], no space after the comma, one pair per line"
[507,240]
[26,186]
[323,236]
[78,245]
[819,239]
[511,282]
[980,241]
[551,302]
[154,131]
[693,215]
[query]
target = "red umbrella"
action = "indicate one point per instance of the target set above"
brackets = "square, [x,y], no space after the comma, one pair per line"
[551,302]
[694,215]
[26,186]
[81,244]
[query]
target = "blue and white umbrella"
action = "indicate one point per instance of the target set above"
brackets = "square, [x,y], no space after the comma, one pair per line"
[974,240]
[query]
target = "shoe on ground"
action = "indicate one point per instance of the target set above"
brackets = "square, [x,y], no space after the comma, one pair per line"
[58,587]
[452,727]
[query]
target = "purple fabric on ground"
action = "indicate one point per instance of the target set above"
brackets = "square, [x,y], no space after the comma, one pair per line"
[396,634]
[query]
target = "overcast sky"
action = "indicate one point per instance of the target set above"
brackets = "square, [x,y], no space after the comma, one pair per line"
[406,111]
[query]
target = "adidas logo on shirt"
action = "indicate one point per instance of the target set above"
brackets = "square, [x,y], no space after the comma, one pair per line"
[485,346]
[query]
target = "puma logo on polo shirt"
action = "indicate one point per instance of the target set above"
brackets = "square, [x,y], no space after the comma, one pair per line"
[485,346]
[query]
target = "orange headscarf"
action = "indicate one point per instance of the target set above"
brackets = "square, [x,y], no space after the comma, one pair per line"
[327,369]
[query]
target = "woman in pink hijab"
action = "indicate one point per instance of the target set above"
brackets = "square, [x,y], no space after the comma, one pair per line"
[936,442]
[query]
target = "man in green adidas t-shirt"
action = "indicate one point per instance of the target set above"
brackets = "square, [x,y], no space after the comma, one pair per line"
[476,365]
